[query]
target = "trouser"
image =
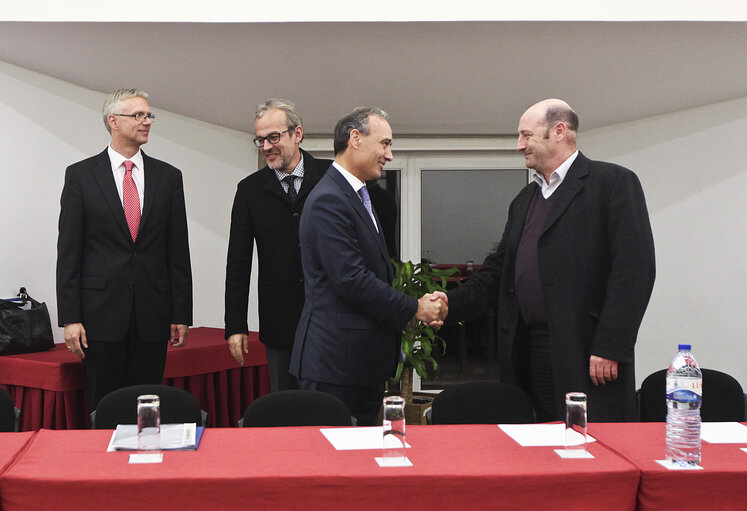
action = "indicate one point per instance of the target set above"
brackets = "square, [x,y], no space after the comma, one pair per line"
[109,366]
[278,362]
[540,375]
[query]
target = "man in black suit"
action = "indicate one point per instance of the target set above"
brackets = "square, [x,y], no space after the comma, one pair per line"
[348,338]
[572,275]
[124,279]
[267,208]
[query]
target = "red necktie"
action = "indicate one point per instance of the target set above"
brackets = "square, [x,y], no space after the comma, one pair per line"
[130,200]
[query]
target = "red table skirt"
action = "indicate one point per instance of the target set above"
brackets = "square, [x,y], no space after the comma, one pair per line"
[48,387]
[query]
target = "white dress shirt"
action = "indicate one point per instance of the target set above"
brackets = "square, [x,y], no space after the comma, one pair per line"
[556,177]
[138,174]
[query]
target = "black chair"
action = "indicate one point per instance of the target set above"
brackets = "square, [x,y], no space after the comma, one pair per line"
[482,402]
[120,406]
[723,397]
[7,412]
[296,408]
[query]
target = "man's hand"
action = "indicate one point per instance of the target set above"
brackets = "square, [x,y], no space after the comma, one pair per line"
[179,335]
[432,310]
[440,295]
[75,336]
[239,344]
[602,370]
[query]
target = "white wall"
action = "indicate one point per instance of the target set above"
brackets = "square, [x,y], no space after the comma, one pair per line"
[693,167]
[49,124]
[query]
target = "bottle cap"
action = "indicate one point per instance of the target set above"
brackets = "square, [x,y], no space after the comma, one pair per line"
[684,347]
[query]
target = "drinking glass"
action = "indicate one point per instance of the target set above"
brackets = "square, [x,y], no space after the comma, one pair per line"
[148,422]
[394,428]
[575,421]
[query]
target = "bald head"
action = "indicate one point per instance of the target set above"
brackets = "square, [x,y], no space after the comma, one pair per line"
[554,111]
[547,135]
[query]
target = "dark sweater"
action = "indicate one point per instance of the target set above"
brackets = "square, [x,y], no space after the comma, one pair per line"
[529,291]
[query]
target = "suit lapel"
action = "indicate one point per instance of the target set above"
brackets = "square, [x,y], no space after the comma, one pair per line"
[105,179]
[272,185]
[568,189]
[151,184]
[311,175]
[360,210]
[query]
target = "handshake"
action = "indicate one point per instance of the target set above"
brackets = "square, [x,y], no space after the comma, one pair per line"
[433,309]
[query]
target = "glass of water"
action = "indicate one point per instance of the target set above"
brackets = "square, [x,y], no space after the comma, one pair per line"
[394,428]
[148,422]
[575,422]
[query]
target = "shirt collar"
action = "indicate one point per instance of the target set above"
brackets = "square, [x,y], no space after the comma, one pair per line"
[556,177]
[117,159]
[298,171]
[356,183]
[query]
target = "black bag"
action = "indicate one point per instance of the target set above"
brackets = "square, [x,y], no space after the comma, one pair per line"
[24,326]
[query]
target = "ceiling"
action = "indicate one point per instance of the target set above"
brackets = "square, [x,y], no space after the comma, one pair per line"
[434,78]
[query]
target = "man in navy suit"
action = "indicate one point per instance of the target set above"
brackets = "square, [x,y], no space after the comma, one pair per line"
[267,208]
[348,338]
[572,275]
[124,279]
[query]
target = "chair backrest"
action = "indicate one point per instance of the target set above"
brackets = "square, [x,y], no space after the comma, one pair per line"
[296,408]
[482,402]
[723,397]
[120,406]
[7,412]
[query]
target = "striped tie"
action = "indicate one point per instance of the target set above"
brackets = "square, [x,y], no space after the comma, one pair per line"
[366,198]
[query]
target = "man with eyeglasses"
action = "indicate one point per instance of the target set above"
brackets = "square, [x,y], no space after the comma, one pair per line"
[267,209]
[124,278]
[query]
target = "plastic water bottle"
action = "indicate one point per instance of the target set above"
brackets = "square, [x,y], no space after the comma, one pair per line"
[684,397]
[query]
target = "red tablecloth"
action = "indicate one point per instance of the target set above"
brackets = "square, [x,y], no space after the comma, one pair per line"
[454,467]
[11,444]
[48,387]
[722,484]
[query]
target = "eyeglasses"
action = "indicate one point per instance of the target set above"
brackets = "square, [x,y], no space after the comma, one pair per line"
[139,117]
[272,138]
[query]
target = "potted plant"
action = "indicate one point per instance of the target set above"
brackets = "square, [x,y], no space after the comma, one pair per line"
[419,341]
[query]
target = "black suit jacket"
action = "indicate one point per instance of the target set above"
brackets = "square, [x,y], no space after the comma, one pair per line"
[596,259]
[352,320]
[102,274]
[263,212]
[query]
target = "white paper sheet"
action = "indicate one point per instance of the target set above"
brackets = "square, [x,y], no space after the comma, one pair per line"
[723,432]
[346,439]
[538,435]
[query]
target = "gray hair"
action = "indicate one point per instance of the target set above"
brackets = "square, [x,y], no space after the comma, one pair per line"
[561,113]
[355,120]
[292,117]
[114,99]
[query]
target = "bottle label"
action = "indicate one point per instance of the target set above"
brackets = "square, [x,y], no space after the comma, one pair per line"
[684,389]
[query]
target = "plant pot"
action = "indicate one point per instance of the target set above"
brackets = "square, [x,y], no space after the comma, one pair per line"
[415,410]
